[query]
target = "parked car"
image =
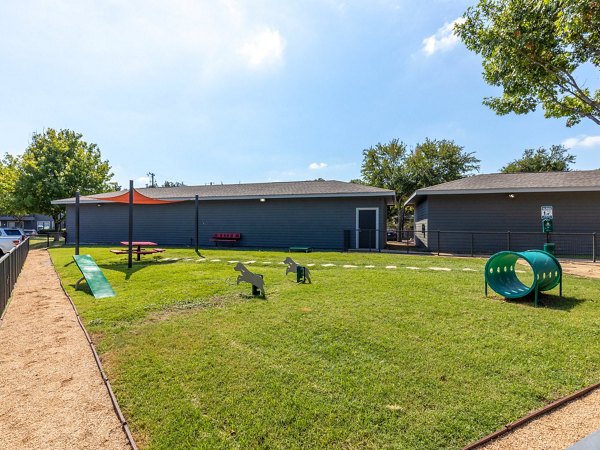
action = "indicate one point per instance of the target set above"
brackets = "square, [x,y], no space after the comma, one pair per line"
[392,234]
[30,232]
[9,238]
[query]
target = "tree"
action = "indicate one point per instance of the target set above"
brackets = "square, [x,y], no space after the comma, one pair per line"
[357,181]
[532,49]
[438,161]
[9,175]
[57,164]
[392,166]
[173,184]
[554,159]
[383,166]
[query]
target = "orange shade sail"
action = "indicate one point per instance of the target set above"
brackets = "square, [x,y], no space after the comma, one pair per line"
[138,199]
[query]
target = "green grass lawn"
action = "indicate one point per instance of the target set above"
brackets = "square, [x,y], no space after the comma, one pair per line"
[362,358]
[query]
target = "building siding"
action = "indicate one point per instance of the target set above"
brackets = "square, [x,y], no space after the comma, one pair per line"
[573,213]
[276,223]
[421,223]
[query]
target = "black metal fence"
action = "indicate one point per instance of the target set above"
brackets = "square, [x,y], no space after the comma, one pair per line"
[473,243]
[10,268]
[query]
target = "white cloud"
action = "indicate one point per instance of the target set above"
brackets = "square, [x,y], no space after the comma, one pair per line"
[111,42]
[583,141]
[443,40]
[139,182]
[317,166]
[264,48]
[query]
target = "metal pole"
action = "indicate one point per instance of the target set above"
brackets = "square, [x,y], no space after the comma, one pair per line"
[472,247]
[130,255]
[197,224]
[593,247]
[508,240]
[438,243]
[77,223]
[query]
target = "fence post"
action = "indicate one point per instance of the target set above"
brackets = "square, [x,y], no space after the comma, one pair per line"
[438,242]
[594,247]
[508,240]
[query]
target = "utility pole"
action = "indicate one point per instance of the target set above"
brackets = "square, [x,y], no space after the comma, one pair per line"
[152,182]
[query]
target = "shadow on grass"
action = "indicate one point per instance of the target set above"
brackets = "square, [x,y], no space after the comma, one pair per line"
[137,266]
[549,301]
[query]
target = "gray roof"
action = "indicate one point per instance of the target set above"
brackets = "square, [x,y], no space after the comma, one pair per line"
[291,189]
[575,181]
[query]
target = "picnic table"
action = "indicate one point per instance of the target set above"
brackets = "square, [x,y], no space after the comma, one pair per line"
[140,250]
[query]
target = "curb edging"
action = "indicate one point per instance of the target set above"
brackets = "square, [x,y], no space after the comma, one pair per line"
[533,415]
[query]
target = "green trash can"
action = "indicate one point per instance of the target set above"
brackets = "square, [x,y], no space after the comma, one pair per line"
[549,248]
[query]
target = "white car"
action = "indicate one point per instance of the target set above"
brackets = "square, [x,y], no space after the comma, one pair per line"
[10,238]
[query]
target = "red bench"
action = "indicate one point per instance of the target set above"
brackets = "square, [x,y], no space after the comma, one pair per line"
[232,238]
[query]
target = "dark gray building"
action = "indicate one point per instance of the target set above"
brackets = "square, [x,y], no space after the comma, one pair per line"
[498,203]
[36,222]
[268,215]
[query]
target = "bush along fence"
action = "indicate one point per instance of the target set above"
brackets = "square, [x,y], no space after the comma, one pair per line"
[473,243]
[10,268]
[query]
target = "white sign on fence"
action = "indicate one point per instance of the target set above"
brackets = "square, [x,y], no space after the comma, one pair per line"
[547,212]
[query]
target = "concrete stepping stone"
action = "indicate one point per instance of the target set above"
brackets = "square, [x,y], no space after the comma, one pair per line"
[327,265]
[412,268]
[215,260]
[444,269]
[349,266]
[467,269]
[369,267]
[391,267]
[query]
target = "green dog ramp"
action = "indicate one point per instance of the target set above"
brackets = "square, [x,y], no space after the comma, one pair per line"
[94,277]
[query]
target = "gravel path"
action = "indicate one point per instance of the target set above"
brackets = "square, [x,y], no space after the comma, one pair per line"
[52,393]
[556,430]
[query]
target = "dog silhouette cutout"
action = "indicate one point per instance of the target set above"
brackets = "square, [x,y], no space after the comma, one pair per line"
[293,268]
[249,277]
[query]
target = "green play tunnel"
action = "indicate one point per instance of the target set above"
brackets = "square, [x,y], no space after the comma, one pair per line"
[501,275]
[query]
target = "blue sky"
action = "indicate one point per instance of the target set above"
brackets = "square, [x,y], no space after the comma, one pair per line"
[256,90]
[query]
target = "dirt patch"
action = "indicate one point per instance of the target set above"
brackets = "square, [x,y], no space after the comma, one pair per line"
[556,430]
[52,393]
[581,269]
